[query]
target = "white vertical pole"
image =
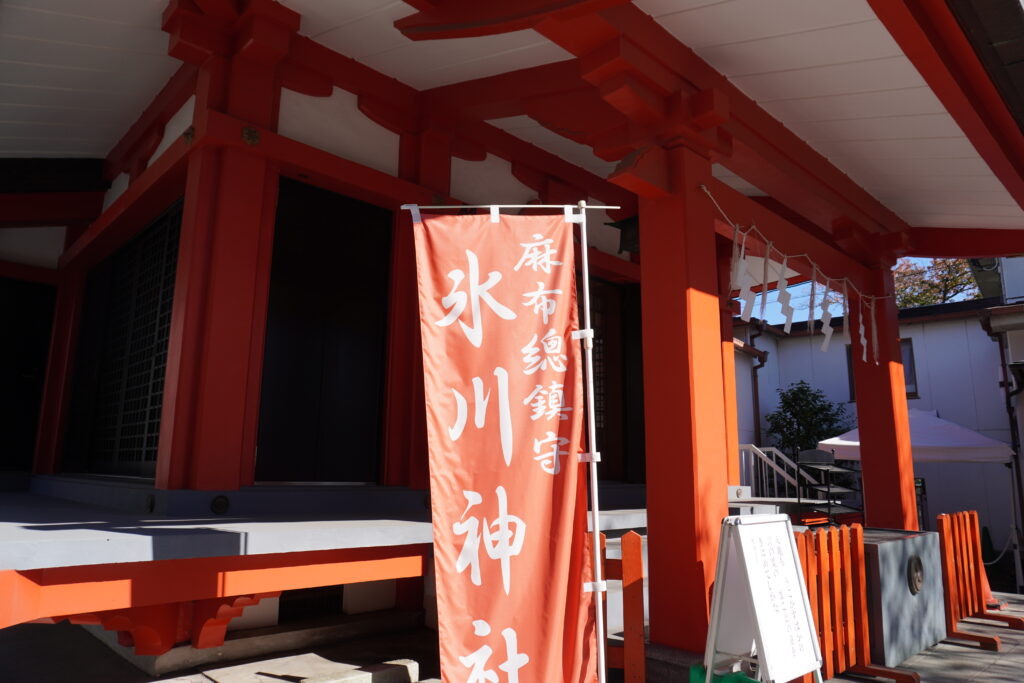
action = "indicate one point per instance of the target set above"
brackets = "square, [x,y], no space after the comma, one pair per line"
[595,509]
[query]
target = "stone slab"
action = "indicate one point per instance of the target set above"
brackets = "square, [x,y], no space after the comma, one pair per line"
[38,532]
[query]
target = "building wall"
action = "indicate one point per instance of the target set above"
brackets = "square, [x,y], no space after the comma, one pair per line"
[1013,279]
[958,375]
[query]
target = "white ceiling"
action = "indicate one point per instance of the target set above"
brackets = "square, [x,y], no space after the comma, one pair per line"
[364,30]
[830,71]
[74,75]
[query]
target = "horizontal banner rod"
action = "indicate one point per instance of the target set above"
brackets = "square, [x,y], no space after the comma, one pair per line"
[409,207]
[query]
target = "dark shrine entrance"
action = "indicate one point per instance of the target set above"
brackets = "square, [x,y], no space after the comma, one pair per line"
[323,370]
[618,380]
[26,314]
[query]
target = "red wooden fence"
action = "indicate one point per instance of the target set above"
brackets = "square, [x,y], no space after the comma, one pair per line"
[833,564]
[834,572]
[964,580]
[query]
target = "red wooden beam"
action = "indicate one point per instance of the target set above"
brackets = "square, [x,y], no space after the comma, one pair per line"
[380,94]
[26,273]
[766,153]
[511,148]
[57,592]
[611,268]
[154,190]
[469,18]
[133,150]
[48,208]
[965,242]
[933,40]
[785,236]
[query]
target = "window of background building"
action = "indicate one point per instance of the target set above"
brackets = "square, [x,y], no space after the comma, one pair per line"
[909,370]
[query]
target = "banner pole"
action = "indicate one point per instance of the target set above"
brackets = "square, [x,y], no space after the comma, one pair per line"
[595,509]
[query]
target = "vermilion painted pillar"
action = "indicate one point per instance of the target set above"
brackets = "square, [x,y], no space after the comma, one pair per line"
[732,422]
[684,399]
[217,322]
[888,476]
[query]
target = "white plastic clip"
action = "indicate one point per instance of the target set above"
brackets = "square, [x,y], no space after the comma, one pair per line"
[571,216]
[414,209]
[590,457]
[595,587]
[495,214]
[586,335]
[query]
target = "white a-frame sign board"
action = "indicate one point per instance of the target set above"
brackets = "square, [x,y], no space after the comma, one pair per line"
[760,613]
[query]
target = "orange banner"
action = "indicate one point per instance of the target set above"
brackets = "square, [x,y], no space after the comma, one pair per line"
[505,408]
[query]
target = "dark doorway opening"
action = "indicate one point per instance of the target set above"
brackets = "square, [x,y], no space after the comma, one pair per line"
[26,318]
[323,368]
[618,381]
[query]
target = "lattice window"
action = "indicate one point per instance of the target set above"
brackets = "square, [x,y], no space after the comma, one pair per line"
[128,305]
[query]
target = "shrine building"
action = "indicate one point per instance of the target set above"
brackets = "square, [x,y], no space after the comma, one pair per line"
[212,392]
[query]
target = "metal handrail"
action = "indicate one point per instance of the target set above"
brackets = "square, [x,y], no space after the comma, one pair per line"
[786,459]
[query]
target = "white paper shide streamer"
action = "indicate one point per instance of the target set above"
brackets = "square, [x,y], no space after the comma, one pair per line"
[833,291]
[826,319]
[860,330]
[785,296]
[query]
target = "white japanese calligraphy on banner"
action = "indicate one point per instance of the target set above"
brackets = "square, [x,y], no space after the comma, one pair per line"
[504,420]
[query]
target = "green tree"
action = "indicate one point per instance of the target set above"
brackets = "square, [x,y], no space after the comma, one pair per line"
[936,282]
[804,417]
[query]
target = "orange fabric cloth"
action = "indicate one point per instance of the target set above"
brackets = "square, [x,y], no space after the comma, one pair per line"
[505,408]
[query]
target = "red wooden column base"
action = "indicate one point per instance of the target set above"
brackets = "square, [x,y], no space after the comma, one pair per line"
[890,499]
[684,397]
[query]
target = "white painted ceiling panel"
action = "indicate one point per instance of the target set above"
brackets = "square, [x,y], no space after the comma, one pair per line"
[894,197]
[27,19]
[74,75]
[878,128]
[908,148]
[833,45]
[525,128]
[907,101]
[887,73]
[958,167]
[488,182]
[709,24]
[911,183]
[336,125]
[364,30]
[830,71]
[40,246]
[131,13]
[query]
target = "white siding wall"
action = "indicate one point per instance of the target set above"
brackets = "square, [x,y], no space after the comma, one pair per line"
[1013,279]
[957,369]
[744,402]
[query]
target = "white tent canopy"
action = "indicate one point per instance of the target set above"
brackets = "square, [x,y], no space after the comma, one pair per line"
[932,439]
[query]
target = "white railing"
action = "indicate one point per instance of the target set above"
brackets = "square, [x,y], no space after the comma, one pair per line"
[770,473]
